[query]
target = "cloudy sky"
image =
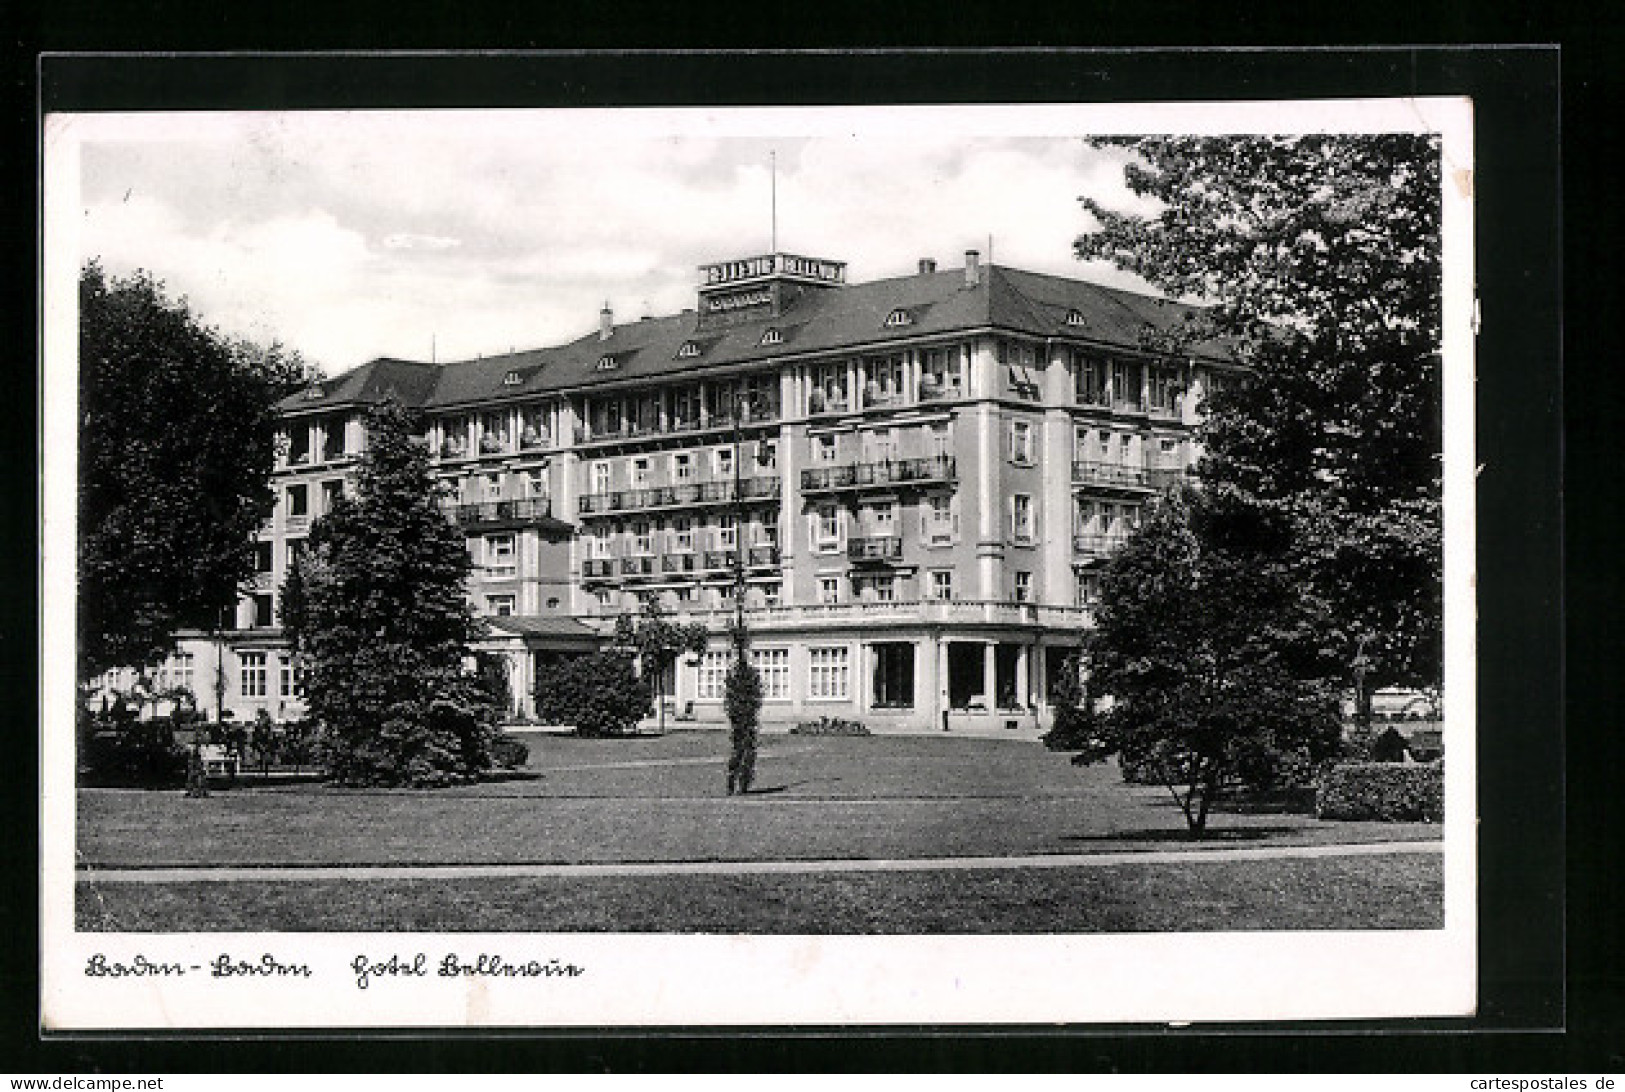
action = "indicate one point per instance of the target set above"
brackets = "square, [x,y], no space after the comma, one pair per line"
[355,235]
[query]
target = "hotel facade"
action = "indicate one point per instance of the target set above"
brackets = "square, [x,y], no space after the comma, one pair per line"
[915,481]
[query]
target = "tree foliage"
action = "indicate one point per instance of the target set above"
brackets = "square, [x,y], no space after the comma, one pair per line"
[599,694]
[658,642]
[377,616]
[1321,258]
[1203,652]
[176,425]
[742,701]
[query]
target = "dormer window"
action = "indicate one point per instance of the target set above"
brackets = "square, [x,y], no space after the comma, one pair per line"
[772,337]
[608,363]
[900,317]
[314,392]
[688,351]
[1075,317]
[511,379]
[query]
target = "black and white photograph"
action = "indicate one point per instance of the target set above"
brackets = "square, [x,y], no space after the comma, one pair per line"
[533,567]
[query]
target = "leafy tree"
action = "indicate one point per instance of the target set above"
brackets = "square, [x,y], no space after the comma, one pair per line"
[1321,257]
[1200,652]
[600,694]
[658,642]
[378,618]
[175,457]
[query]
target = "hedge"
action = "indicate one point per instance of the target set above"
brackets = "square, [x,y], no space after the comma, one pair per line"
[830,726]
[1388,791]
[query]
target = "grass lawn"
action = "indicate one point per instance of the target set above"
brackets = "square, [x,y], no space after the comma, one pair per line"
[662,799]
[1388,892]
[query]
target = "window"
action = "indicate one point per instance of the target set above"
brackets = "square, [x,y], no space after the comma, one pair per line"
[827,673]
[1164,390]
[499,555]
[552,602]
[251,683]
[727,533]
[493,487]
[298,501]
[501,606]
[824,449]
[940,374]
[331,492]
[1074,317]
[883,520]
[687,350]
[883,380]
[511,379]
[1024,587]
[882,445]
[770,594]
[942,584]
[827,527]
[640,473]
[1125,448]
[1085,517]
[900,317]
[941,440]
[536,483]
[180,671]
[767,455]
[685,407]
[893,675]
[264,614]
[1088,588]
[829,589]
[598,544]
[493,432]
[939,518]
[1126,384]
[1089,379]
[773,665]
[600,477]
[723,462]
[772,337]
[262,557]
[884,589]
[296,550]
[828,392]
[682,535]
[1021,517]
[713,675]
[607,363]
[682,468]
[642,538]
[1021,443]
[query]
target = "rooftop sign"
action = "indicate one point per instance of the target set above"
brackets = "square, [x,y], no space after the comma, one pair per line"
[767,265]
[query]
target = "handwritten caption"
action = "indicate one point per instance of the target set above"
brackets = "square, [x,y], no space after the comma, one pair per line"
[365,969]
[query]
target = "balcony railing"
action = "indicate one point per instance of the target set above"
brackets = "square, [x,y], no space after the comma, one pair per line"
[1109,475]
[1097,545]
[502,511]
[633,430]
[678,563]
[940,392]
[1161,477]
[932,468]
[881,548]
[598,568]
[969,612]
[762,555]
[638,565]
[687,495]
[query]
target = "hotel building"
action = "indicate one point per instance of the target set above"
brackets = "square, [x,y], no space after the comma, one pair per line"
[919,478]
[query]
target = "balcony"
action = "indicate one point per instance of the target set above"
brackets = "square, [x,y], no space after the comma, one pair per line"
[928,611]
[829,479]
[676,426]
[679,563]
[882,549]
[638,565]
[598,568]
[1097,545]
[503,511]
[938,392]
[762,556]
[687,495]
[1113,476]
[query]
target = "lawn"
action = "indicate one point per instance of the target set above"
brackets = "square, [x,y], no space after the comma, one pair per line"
[1388,892]
[662,799]
[581,801]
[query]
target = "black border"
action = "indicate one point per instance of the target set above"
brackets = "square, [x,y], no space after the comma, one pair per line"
[1515,94]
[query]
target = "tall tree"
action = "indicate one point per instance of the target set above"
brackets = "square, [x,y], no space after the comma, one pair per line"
[176,425]
[1321,257]
[377,613]
[1202,652]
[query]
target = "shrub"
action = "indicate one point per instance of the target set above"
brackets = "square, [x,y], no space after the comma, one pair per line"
[830,726]
[116,748]
[1385,791]
[508,752]
[742,697]
[598,695]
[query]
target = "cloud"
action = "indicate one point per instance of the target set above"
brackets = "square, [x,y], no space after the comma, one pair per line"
[408,241]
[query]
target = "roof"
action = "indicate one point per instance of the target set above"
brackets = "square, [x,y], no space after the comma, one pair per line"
[826,319]
[408,381]
[544,625]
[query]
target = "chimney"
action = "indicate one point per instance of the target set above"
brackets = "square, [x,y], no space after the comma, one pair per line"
[606,322]
[973,268]
[928,265]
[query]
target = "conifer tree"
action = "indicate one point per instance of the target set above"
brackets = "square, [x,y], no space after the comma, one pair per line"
[377,613]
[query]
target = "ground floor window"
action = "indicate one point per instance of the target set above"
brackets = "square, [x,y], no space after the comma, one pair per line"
[967,687]
[773,664]
[252,681]
[894,675]
[713,674]
[1005,659]
[828,674]
[285,678]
